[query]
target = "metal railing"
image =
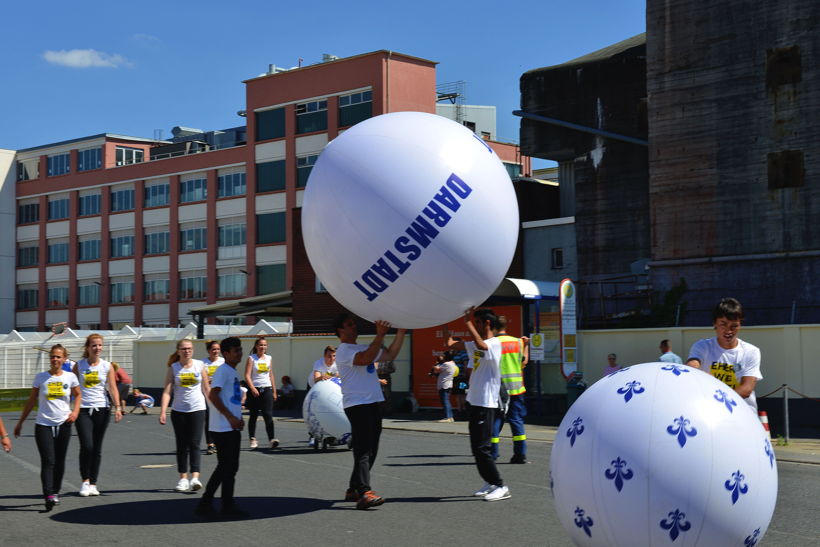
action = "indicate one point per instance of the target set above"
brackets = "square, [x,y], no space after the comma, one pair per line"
[786,389]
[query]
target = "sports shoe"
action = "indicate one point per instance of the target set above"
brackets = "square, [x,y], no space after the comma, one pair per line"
[518,458]
[85,489]
[445,421]
[369,499]
[195,484]
[233,511]
[352,495]
[311,442]
[183,485]
[498,493]
[56,499]
[50,503]
[92,490]
[254,444]
[211,450]
[274,443]
[484,490]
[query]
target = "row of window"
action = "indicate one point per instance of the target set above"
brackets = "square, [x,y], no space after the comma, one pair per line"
[88,159]
[193,286]
[270,228]
[312,116]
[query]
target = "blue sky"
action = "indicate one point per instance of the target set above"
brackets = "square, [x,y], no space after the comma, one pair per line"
[73,69]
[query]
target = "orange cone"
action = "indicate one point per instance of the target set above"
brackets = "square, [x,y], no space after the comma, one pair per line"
[764,419]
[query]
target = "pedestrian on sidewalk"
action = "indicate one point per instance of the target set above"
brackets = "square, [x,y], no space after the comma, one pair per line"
[445,370]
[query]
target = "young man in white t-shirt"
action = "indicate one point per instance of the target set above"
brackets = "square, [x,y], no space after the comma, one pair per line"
[361,395]
[484,395]
[324,368]
[225,424]
[725,356]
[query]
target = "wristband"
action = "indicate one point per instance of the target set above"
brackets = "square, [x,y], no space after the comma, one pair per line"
[4,437]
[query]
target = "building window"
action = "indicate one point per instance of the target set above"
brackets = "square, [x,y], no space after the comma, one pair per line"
[311,117]
[127,156]
[231,282]
[122,200]
[193,190]
[193,238]
[355,107]
[28,256]
[319,287]
[59,165]
[194,285]
[90,205]
[157,195]
[122,291]
[270,176]
[157,243]
[88,159]
[89,294]
[270,228]
[513,170]
[122,245]
[229,185]
[58,253]
[304,165]
[27,298]
[89,249]
[232,235]
[28,212]
[157,290]
[58,209]
[557,258]
[270,278]
[270,124]
[57,297]
[28,169]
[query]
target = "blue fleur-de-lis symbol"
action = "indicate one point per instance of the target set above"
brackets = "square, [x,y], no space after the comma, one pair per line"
[723,397]
[751,540]
[677,370]
[633,387]
[583,521]
[676,523]
[576,429]
[735,485]
[769,452]
[681,428]
[618,472]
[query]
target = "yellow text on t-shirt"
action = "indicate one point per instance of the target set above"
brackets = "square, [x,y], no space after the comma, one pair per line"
[187,379]
[91,378]
[725,373]
[55,391]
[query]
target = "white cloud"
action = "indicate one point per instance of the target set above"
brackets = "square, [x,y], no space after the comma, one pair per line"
[85,58]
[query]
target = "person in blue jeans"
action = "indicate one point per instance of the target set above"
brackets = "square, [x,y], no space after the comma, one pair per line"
[445,369]
[514,357]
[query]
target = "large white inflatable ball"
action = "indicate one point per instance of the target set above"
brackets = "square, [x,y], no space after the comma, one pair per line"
[409,218]
[323,412]
[663,454]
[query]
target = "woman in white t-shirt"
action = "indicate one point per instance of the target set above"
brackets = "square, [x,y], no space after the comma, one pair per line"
[52,392]
[96,377]
[211,362]
[188,378]
[261,391]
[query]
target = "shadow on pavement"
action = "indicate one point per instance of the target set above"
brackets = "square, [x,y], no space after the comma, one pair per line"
[180,511]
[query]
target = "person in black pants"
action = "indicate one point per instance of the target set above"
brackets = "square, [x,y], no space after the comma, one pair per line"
[261,391]
[361,399]
[225,425]
[52,391]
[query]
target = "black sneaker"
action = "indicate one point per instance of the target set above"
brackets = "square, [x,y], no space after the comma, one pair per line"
[50,503]
[519,459]
[205,510]
[233,511]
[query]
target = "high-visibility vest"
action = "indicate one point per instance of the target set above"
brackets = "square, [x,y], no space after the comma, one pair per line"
[511,373]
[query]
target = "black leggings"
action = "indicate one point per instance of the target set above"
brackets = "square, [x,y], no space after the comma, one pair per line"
[91,426]
[227,458]
[188,432]
[481,432]
[260,405]
[365,431]
[52,442]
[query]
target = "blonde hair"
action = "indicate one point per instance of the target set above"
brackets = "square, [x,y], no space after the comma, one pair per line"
[115,366]
[258,339]
[174,357]
[88,340]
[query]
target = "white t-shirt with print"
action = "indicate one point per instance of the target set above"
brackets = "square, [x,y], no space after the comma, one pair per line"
[227,380]
[728,365]
[211,366]
[93,381]
[360,384]
[260,370]
[445,376]
[54,398]
[188,396]
[485,380]
[320,367]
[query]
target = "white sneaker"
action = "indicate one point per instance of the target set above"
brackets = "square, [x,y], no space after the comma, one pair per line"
[195,484]
[498,493]
[92,490]
[85,490]
[254,444]
[183,485]
[484,490]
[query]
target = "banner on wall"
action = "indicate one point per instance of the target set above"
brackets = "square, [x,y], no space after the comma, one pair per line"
[431,342]
[569,344]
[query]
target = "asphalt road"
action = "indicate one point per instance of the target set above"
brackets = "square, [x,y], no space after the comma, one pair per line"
[294,495]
